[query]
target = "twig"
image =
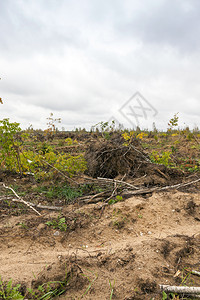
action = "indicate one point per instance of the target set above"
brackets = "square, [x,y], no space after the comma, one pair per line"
[195,272]
[156,189]
[179,185]
[32,204]
[181,289]
[20,199]
[161,173]
[196,139]
[118,181]
[113,193]
[45,207]
[109,150]
[91,198]
[148,160]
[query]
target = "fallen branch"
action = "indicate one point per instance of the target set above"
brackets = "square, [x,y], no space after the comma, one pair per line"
[113,193]
[180,185]
[91,198]
[131,189]
[156,189]
[10,198]
[45,206]
[196,139]
[146,158]
[118,181]
[162,174]
[194,272]
[19,199]
[181,289]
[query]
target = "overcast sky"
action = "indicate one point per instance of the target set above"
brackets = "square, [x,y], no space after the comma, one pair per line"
[83,60]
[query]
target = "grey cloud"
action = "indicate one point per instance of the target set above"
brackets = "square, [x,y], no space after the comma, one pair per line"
[84,59]
[25,31]
[173,23]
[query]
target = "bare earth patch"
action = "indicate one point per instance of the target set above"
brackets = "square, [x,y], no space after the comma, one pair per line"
[133,245]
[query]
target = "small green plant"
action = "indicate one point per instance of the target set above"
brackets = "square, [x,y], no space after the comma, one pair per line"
[164,158]
[70,142]
[186,278]
[118,219]
[59,223]
[115,200]
[90,281]
[51,124]
[49,290]
[10,292]
[23,225]
[141,135]
[105,128]
[112,286]
[171,296]
[155,138]
[173,122]
[128,137]
[164,296]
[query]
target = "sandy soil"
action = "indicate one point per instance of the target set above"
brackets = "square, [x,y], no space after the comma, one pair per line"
[133,245]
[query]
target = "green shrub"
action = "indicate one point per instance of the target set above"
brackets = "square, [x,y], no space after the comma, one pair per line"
[43,163]
[164,158]
[10,146]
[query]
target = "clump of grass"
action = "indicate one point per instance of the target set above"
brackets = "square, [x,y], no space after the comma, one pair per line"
[65,192]
[59,223]
[10,292]
[112,286]
[48,290]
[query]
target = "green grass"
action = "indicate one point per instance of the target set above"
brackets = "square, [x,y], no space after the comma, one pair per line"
[10,292]
[60,191]
[45,291]
[66,192]
[59,223]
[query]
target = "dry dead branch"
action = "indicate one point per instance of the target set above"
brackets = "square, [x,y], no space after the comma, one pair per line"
[31,204]
[145,158]
[156,189]
[19,199]
[118,181]
[181,289]
[177,186]
[113,193]
[195,273]
[45,206]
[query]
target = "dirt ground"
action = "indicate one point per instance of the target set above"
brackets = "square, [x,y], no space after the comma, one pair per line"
[131,246]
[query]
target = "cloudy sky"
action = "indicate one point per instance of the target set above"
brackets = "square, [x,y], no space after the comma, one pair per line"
[85,61]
